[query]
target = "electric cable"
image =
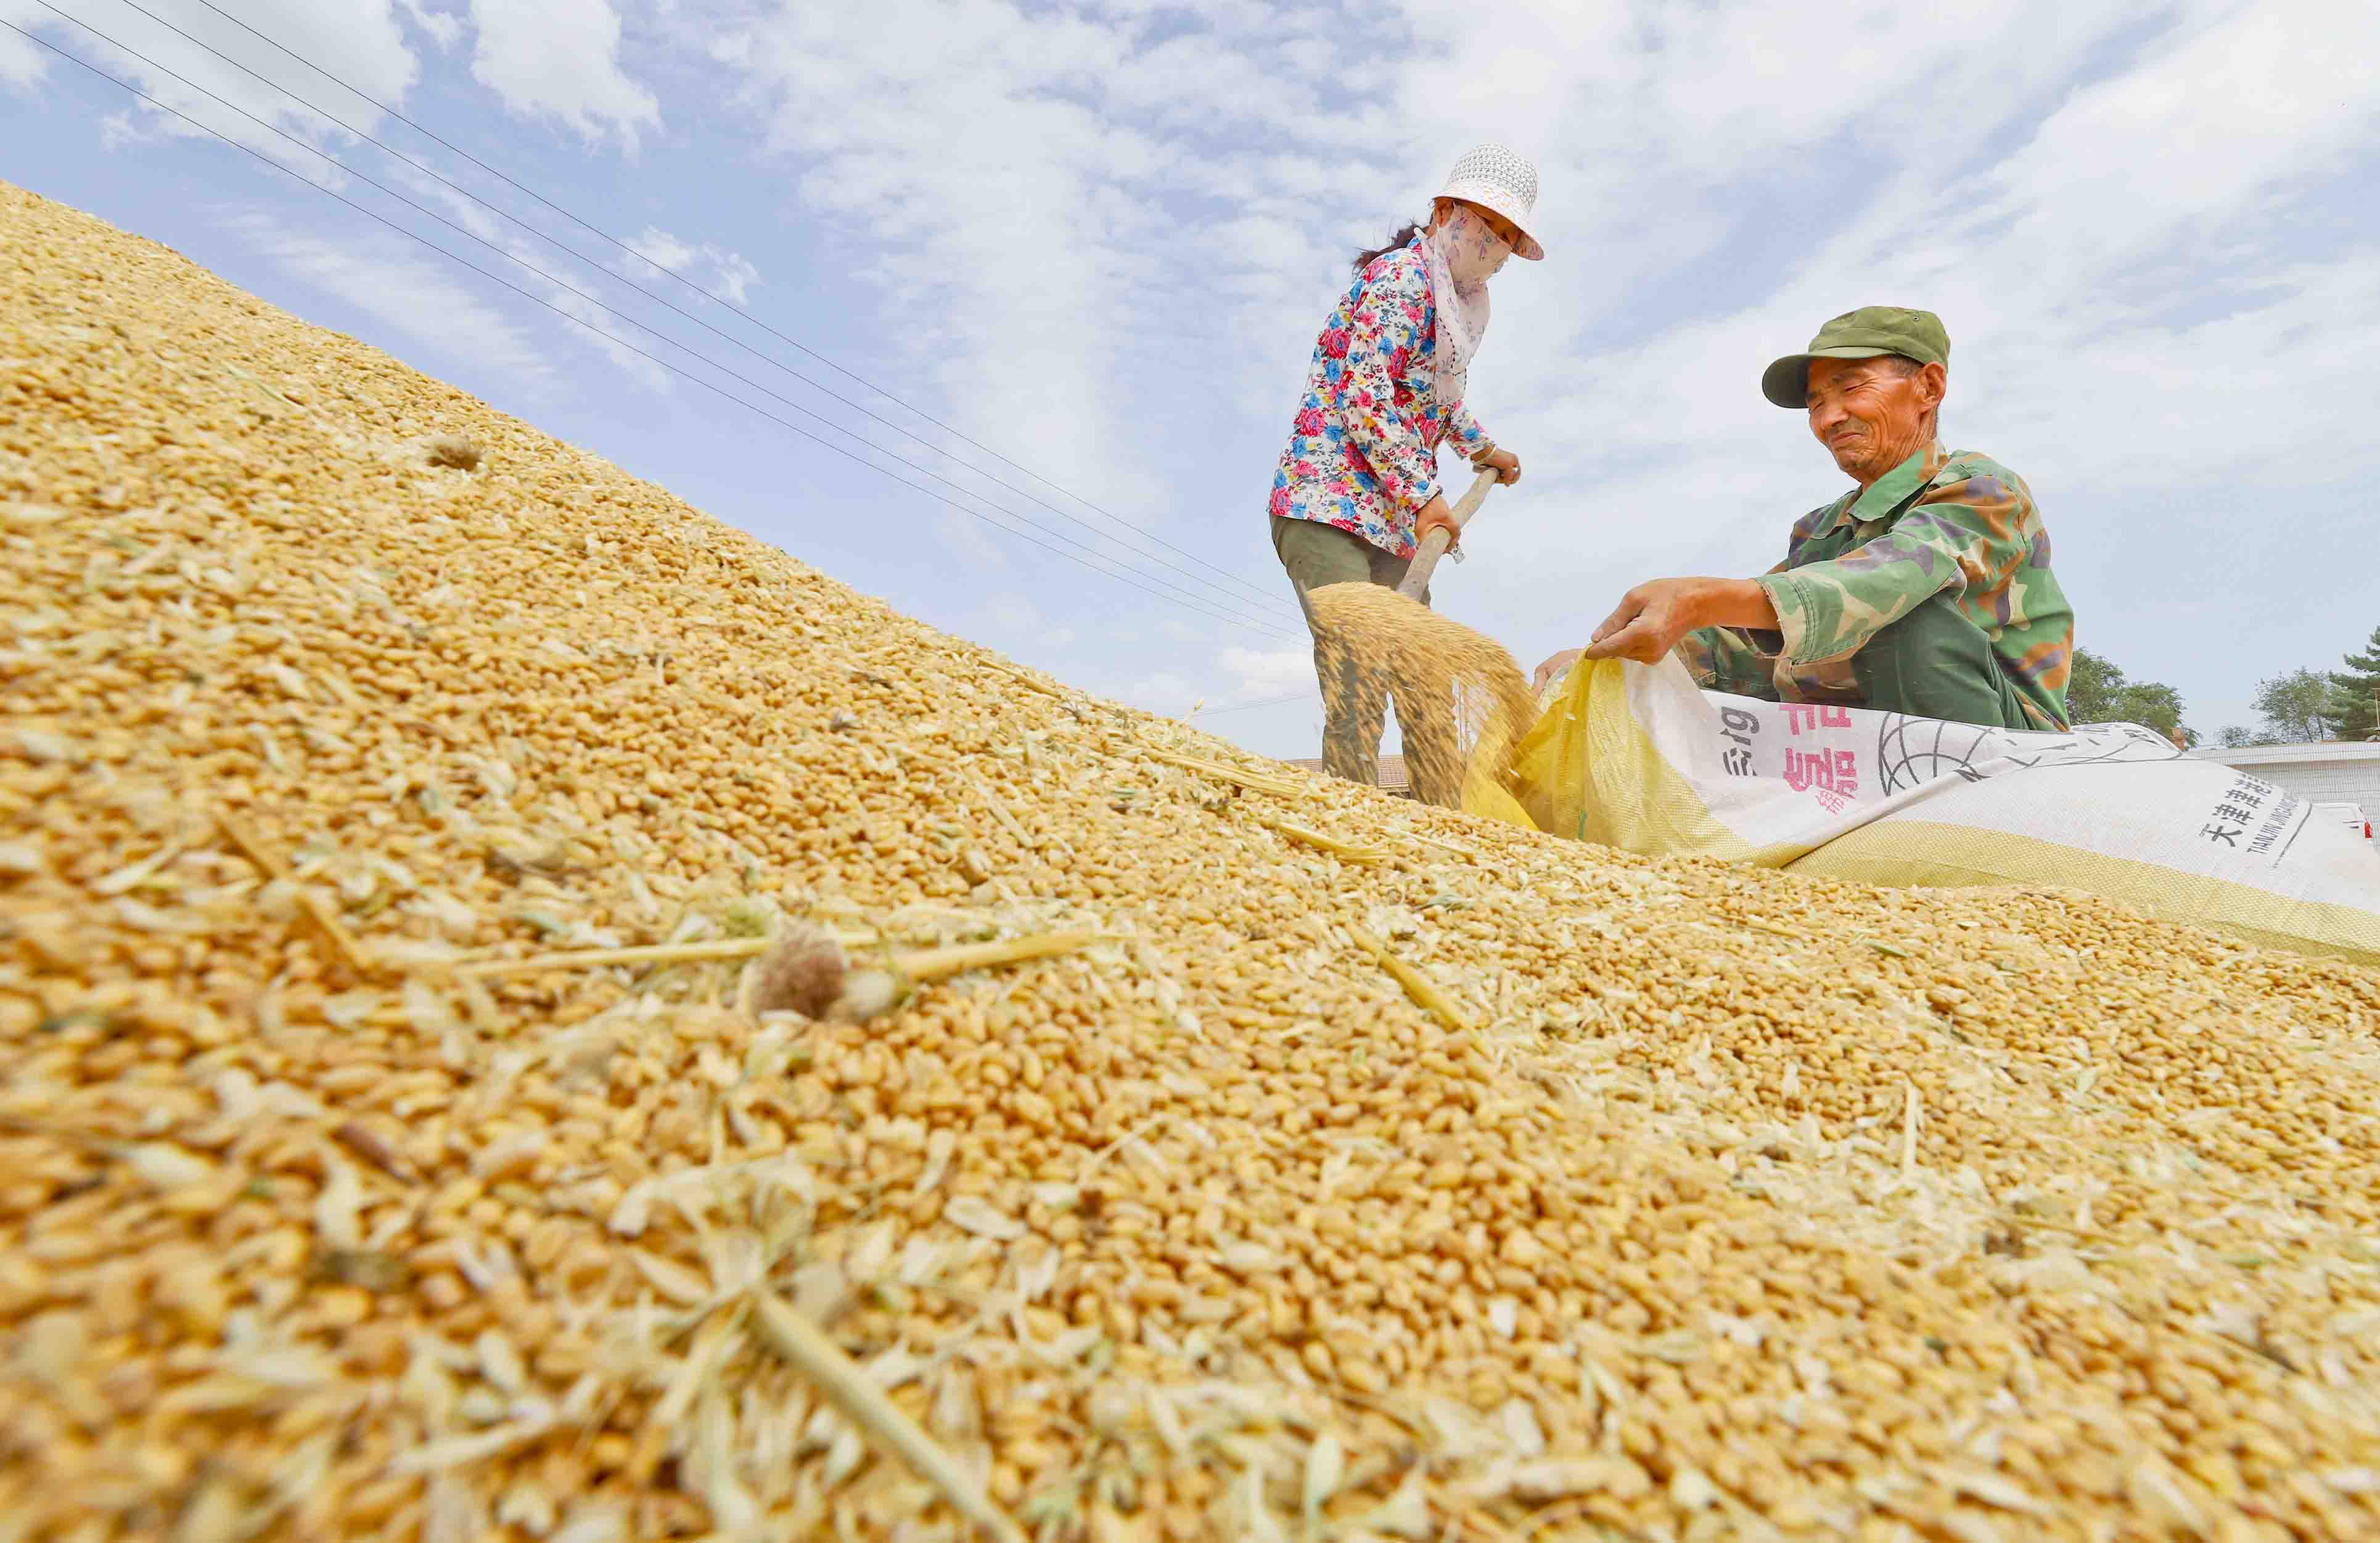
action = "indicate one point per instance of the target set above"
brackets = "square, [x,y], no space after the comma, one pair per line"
[1262,593]
[1228,602]
[1121,577]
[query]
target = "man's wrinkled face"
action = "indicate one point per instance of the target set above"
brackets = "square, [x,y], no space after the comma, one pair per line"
[1872,414]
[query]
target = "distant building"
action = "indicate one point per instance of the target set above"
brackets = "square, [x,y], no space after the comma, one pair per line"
[1393,774]
[2333,772]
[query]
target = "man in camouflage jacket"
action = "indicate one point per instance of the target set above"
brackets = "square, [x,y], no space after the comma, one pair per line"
[1926,589]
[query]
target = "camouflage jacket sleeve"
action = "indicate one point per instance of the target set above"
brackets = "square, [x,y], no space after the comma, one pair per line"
[1727,658]
[1739,661]
[1963,532]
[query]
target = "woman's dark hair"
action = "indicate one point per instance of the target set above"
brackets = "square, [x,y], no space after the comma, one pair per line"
[1364,260]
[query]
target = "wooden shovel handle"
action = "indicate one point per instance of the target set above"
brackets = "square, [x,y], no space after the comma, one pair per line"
[1434,545]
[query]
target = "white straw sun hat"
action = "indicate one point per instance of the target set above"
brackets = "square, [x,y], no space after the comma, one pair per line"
[1501,181]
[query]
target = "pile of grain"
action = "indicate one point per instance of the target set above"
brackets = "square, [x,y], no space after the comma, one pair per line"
[1698,1203]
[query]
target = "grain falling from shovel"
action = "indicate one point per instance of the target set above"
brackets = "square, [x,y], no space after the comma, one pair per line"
[1457,692]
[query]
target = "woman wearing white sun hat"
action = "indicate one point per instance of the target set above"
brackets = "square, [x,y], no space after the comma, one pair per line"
[1357,487]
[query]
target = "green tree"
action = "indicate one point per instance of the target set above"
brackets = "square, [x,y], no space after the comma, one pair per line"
[2097,692]
[2355,693]
[2091,687]
[2296,707]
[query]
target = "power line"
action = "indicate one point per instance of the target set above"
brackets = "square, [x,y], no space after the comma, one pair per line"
[535,300]
[1265,597]
[1229,602]
[1261,592]
[1166,591]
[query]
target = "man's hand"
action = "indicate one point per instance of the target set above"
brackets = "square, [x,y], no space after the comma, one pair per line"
[1652,618]
[1506,466]
[1554,667]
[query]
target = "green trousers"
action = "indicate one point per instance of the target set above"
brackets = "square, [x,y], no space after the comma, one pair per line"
[1934,663]
[1354,710]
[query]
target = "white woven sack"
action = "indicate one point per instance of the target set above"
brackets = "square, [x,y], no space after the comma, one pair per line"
[2115,809]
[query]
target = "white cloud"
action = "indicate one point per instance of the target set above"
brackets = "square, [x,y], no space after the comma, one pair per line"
[1229,677]
[1003,176]
[660,247]
[465,209]
[561,59]
[22,65]
[970,542]
[2055,270]
[356,40]
[362,43]
[2139,160]
[1013,618]
[414,295]
[444,27]
[1263,673]
[629,349]
[569,290]
[1164,692]
[1100,225]
[729,276]
[2135,280]
[1100,236]
[1012,614]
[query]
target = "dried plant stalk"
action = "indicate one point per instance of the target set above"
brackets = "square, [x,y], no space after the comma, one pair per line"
[1423,991]
[817,1357]
[933,963]
[600,958]
[1257,782]
[1332,844]
[341,941]
[922,965]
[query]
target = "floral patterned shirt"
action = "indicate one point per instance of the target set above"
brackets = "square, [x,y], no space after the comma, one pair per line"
[1362,454]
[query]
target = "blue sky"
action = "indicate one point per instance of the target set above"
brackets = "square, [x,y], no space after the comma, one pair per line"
[1098,239]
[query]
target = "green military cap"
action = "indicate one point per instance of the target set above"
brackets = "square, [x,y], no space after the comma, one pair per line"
[1858,334]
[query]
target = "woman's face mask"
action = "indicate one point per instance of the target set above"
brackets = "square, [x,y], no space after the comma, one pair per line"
[1474,250]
